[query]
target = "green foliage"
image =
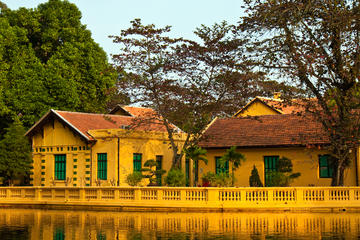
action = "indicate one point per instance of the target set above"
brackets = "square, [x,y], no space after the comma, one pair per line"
[284,176]
[188,83]
[49,60]
[232,156]
[197,154]
[254,179]
[211,179]
[224,180]
[15,153]
[175,178]
[151,173]
[313,45]
[134,179]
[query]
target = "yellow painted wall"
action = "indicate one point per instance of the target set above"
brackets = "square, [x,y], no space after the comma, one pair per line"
[304,161]
[81,159]
[257,108]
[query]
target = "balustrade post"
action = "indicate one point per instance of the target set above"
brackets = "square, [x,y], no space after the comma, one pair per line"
[8,193]
[213,194]
[37,193]
[22,193]
[137,194]
[351,194]
[299,195]
[183,194]
[271,196]
[66,194]
[82,194]
[159,193]
[98,193]
[326,195]
[52,193]
[243,195]
[116,194]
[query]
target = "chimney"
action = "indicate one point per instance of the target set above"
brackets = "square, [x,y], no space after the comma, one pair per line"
[277,95]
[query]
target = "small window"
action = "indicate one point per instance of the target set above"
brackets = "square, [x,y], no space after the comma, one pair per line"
[102,166]
[219,168]
[60,167]
[325,170]
[137,162]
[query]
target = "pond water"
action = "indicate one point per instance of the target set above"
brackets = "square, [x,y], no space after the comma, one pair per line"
[25,224]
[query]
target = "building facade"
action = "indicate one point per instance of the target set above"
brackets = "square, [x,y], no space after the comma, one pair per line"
[265,131]
[82,149]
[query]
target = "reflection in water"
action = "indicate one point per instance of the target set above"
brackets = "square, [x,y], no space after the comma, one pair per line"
[41,224]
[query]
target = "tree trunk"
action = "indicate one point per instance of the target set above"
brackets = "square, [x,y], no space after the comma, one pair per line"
[338,173]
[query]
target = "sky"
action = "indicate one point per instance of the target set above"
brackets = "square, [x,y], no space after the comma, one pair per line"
[109,17]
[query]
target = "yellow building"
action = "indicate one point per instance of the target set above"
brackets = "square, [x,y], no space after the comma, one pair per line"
[269,135]
[83,149]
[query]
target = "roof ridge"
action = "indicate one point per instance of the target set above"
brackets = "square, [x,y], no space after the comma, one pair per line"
[271,99]
[103,114]
[138,107]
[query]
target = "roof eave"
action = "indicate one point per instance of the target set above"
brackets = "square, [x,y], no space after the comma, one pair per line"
[72,127]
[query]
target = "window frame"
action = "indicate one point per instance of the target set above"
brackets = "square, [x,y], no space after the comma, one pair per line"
[327,167]
[268,169]
[102,166]
[219,169]
[137,158]
[159,161]
[60,167]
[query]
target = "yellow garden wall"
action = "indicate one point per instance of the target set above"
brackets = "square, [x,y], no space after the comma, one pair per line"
[81,158]
[304,161]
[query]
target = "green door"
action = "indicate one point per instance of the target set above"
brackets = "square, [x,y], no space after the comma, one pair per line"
[271,165]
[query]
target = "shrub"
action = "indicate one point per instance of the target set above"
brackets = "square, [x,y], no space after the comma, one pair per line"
[254,179]
[284,176]
[224,180]
[209,179]
[133,179]
[175,178]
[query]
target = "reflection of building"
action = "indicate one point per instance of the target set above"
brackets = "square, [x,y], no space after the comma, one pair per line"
[264,131]
[83,149]
[80,225]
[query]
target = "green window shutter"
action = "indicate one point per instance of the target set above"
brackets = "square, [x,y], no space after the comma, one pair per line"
[137,162]
[219,168]
[102,166]
[59,234]
[60,167]
[271,165]
[325,171]
[159,159]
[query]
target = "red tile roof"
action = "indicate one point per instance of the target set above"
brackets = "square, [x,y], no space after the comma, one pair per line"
[140,111]
[264,131]
[90,121]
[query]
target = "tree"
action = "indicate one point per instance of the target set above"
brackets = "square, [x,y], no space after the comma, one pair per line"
[49,60]
[283,176]
[151,172]
[315,44]
[185,82]
[196,154]
[254,179]
[235,158]
[15,155]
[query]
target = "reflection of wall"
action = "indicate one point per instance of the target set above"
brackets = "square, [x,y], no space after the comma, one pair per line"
[122,225]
